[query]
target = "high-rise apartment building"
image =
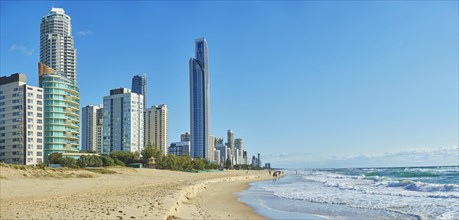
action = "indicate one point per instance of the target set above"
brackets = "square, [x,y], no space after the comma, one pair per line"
[199,100]
[239,145]
[99,129]
[21,121]
[156,127]
[139,86]
[56,43]
[123,121]
[89,128]
[185,137]
[211,149]
[61,113]
[57,71]
[230,136]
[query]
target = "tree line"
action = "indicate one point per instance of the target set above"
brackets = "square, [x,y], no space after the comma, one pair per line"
[123,158]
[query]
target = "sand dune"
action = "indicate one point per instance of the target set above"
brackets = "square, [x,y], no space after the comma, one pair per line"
[129,194]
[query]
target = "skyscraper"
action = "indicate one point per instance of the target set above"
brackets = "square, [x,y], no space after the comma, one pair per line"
[139,86]
[89,128]
[57,71]
[211,149]
[21,121]
[239,145]
[100,129]
[230,136]
[199,100]
[123,121]
[156,127]
[56,43]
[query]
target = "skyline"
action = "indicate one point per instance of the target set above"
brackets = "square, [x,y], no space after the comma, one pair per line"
[354,94]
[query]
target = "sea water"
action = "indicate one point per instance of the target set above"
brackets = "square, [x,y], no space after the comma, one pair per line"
[365,193]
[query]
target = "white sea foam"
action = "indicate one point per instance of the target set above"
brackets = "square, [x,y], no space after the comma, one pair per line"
[418,199]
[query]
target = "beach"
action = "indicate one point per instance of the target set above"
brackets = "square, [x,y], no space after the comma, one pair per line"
[126,194]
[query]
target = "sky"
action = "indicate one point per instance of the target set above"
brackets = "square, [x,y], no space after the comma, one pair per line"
[304,83]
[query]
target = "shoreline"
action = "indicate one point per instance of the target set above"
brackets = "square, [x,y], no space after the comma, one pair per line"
[220,201]
[128,194]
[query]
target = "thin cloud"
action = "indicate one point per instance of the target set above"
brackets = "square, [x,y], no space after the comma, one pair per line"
[21,49]
[84,33]
[411,157]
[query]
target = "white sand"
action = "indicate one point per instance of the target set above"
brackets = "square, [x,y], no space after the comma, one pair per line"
[131,194]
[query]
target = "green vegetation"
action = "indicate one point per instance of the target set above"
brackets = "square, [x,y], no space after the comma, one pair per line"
[123,158]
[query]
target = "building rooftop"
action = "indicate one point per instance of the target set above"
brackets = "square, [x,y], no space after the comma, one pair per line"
[57,11]
[17,77]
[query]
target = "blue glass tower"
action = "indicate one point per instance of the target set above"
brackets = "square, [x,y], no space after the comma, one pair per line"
[139,86]
[199,101]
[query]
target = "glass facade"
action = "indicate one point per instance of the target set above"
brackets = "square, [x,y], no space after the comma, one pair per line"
[199,101]
[139,86]
[61,114]
[123,122]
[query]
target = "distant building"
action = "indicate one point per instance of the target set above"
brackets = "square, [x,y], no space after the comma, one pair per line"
[211,155]
[259,160]
[267,165]
[254,161]
[123,121]
[223,149]
[89,128]
[100,129]
[218,141]
[156,127]
[139,86]
[245,159]
[21,121]
[217,157]
[185,137]
[199,100]
[239,146]
[230,136]
[180,148]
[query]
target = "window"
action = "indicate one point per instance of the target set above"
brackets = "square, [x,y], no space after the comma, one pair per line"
[39,103]
[39,134]
[39,121]
[29,140]
[39,140]
[39,153]
[39,147]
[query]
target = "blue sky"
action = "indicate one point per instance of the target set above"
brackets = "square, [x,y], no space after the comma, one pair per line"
[306,84]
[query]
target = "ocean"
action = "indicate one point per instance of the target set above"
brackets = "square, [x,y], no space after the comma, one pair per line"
[358,193]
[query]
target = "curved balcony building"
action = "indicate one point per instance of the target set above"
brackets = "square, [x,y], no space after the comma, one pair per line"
[61,114]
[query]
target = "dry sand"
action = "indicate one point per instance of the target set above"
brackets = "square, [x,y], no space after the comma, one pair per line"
[129,194]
